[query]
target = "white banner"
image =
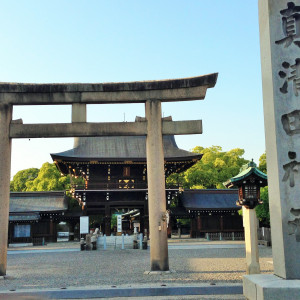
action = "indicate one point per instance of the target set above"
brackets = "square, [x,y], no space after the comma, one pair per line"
[84,225]
[119,223]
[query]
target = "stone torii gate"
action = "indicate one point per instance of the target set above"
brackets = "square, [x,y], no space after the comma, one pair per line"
[152,93]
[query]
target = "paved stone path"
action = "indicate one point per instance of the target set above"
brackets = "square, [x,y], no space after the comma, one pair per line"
[215,264]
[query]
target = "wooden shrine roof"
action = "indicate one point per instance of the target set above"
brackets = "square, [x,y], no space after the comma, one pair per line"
[121,148]
[210,199]
[24,202]
[24,217]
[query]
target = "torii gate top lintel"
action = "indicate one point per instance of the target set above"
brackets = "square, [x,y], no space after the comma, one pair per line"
[183,89]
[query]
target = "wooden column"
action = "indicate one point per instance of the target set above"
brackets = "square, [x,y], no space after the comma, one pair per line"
[72,230]
[5,160]
[221,224]
[193,230]
[107,220]
[156,188]
[199,226]
[53,231]
[142,220]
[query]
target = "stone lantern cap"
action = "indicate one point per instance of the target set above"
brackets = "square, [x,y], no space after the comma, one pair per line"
[248,170]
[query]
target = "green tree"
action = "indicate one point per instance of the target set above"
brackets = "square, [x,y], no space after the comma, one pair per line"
[263,163]
[113,221]
[49,179]
[262,210]
[23,179]
[215,167]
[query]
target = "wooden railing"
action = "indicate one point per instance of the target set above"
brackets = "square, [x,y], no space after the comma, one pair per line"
[118,186]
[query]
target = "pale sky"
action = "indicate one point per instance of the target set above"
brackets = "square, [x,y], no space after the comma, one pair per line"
[117,41]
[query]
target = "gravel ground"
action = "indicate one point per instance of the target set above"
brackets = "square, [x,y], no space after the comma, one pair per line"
[125,268]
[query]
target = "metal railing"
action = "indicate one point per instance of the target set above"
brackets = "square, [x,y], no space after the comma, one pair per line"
[225,236]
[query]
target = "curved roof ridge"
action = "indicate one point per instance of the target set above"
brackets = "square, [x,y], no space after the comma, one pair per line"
[120,148]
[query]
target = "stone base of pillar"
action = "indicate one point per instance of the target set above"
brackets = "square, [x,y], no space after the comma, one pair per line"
[159,272]
[270,287]
[253,268]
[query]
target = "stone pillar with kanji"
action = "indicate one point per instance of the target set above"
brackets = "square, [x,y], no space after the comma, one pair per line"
[280,63]
[280,59]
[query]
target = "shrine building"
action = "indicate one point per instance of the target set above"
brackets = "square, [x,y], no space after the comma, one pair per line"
[114,170]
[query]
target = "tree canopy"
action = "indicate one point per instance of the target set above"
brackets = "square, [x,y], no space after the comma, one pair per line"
[47,178]
[23,179]
[215,167]
[263,211]
[263,163]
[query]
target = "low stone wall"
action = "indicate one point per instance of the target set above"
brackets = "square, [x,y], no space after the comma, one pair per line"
[264,236]
[119,242]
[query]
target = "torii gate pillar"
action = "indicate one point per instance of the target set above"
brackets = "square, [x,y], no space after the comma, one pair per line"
[156,188]
[5,159]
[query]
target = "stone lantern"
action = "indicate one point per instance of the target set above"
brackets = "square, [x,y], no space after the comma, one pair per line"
[249,181]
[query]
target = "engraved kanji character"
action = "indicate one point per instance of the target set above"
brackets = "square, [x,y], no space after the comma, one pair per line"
[291,122]
[294,224]
[292,74]
[290,170]
[290,25]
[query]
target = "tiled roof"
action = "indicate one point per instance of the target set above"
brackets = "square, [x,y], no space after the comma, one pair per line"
[22,202]
[24,217]
[120,148]
[210,199]
[246,171]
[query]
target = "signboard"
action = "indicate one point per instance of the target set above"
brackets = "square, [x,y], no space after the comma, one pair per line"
[84,225]
[119,223]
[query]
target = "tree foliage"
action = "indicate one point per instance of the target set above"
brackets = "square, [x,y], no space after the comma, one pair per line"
[23,179]
[262,210]
[49,179]
[263,163]
[215,167]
